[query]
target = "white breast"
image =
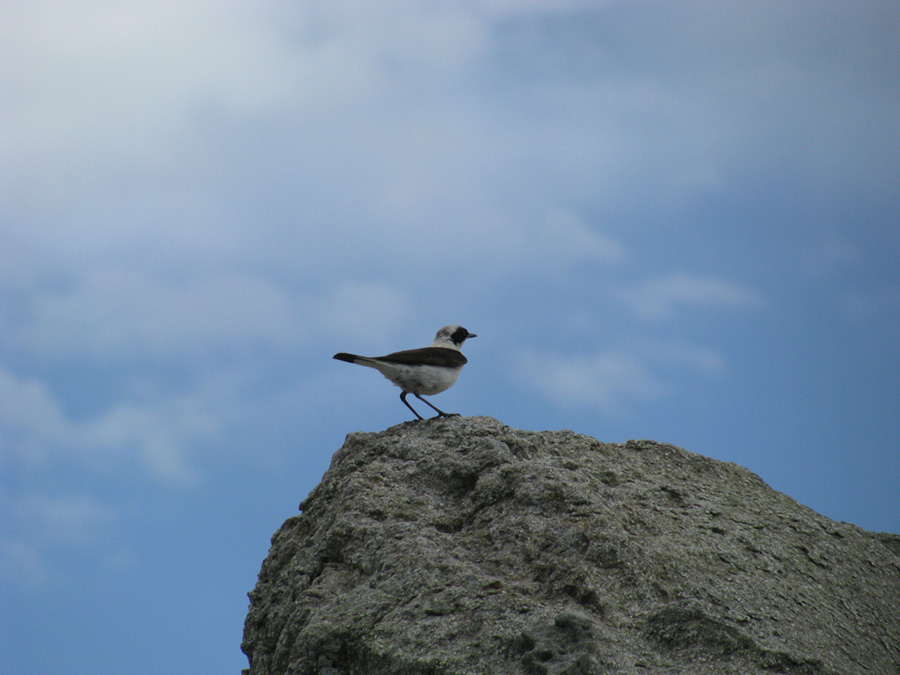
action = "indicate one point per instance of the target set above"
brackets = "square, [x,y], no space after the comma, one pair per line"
[424,380]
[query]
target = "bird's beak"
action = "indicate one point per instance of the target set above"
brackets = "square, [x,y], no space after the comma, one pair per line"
[471,335]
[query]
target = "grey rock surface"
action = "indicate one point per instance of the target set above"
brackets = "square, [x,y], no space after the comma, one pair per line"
[462,546]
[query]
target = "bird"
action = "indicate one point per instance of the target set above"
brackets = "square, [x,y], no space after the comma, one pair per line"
[426,371]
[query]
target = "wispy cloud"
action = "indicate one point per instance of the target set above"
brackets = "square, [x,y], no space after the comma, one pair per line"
[64,519]
[671,356]
[369,310]
[39,528]
[564,239]
[32,421]
[609,381]
[615,380]
[159,435]
[128,315]
[663,298]
[101,85]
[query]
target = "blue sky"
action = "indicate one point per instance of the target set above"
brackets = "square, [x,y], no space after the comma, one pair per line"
[675,221]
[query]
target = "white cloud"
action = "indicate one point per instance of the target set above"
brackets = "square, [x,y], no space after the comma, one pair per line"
[162,436]
[370,122]
[107,84]
[669,355]
[132,330]
[529,7]
[124,122]
[614,380]
[605,380]
[664,297]
[31,419]
[562,239]
[126,315]
[368,311]
[95,88]
[71,520]
[44,529]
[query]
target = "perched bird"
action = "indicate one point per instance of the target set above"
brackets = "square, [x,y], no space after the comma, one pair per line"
[428,371]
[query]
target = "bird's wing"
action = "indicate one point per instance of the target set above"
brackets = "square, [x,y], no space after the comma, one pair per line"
[432,356]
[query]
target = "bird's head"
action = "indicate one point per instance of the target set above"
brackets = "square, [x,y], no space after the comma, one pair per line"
[452,337]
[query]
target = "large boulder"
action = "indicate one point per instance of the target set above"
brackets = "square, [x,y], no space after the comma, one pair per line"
[461,545]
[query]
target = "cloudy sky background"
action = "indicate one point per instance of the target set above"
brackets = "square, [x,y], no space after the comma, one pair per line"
[675,221]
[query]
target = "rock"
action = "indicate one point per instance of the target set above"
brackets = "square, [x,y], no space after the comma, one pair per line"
[462,546]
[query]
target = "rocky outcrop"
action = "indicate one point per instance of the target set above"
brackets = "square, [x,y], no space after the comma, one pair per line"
[461,545]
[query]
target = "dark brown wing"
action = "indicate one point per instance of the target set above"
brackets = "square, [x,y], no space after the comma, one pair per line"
[432,356]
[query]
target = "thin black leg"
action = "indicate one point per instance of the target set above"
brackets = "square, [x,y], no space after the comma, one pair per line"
[403,398]
[440,412]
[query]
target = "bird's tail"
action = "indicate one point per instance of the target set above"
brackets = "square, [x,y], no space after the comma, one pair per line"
[353,358]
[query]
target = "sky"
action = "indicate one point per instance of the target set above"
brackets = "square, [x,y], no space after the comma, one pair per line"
[674,221]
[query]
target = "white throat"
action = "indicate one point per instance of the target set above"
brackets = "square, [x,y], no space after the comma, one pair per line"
[445,343]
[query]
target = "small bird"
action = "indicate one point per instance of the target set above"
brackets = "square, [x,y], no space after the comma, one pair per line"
[428,371]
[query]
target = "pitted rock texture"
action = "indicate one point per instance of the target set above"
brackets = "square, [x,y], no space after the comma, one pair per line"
[462,546]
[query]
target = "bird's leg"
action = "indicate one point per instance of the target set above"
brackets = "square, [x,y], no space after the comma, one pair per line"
[403,398]
[440,412]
